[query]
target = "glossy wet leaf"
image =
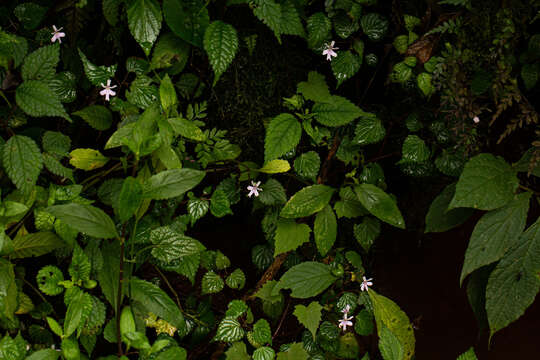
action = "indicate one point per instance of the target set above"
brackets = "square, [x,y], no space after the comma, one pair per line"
[97,116]
[229,330]
[374,26]
[325,230]
[282,135]
[439,218]
[221,44]
[41,64]
[22,162]
[144,22]
[336,111]
[306,280]
[367,232]
[170,245]
[85,218]
[369,130]
[319,29]
[261,332]
[307,165]
[211,283]
[380,204]
[97,74]
[187,19]
[309,316]
[345,66]
[36,99]
[290,235]
[414,150]
[315,88]
[172,183]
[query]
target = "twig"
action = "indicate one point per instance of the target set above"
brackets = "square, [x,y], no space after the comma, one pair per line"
[324,171]
[282,318]
[268,274]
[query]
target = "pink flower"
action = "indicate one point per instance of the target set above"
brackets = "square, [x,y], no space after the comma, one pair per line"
[366,283]
[107,90]
[57,35]
[476,119]
[329,51]
[254,188]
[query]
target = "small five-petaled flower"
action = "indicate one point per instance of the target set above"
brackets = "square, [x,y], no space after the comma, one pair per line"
[57,35]
[346,321]
[366,283]
[329,51]
[107,90]
[254,188]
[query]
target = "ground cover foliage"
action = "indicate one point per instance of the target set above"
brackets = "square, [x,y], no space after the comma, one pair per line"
[131,126]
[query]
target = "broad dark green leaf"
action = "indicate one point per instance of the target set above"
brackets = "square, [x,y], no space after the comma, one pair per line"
[307,201]
[97,116]
[109,274]
[319,29]
[306,280]
[349,206]
[486,183]
[41,64]
[273,193]
[30,14]
[187,19]
[78,310]
[309,316]
[211,283]
[345,66]
[172,183]
[129,199]
[36,99]
[8,289]
[336,111]
[496,232]
[144,21]
[170,245]
[170,50]
[97,74]
[22,162]
[167,94]
[374,26]
[230,330]
[414,149]
[35,244]
[369,130]
[314,88]
[221,45]
[142,92]
[64,85]
[282,135]
[307,165]
[380,204]
[186,129]
[85,218]
[439,218]
[290,235]
[325,230]
[367,232]
[389,345]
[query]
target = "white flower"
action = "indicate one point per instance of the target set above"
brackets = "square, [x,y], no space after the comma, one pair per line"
[254,188]
[107,90]
[366,283]
[329,51]
[346,310]
[346,321]
[57,34]
[476,119]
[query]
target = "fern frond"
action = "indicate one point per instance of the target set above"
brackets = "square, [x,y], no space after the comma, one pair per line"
[451,27]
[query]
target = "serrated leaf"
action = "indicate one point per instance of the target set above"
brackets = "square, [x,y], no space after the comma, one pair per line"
[229,330]
[325,230]
[272,193]
[171,245]
[87,159]
[129,199]
[349,206]
[389,345]
[364,323]
[374,26]
[36,99]
[468,355]
[282,135]
[22,162]
[309,316]
[188,266]
[389,315]
[315,88]
[110,10]
[221,45]
[319,30]
[41,64]
[97,116]
[141,92]
[77,312]
[48,279]
[35,244]
[264,353]
[144,21]
[336,111]
[236,280]
[423,80]
[237,351]
[97,74]
[439,219]
[236,308]
[369,130]
[261,332]
[401,72]
[212,283]
[306,280]
[294,352]
[380,204]
[414,150]
[307,165]
[56,143]
[186,129]
[290,235]
[187,19]
[401,43]
[269,12]
[345,66]
[307,201]
[64,85]
[514,283]
[170,50]
[486,183]
[219,204]
[8,289]
[275,167]
[367,231]
[156,301]
[30,14]
[172,183]
[85,218]
[450,164]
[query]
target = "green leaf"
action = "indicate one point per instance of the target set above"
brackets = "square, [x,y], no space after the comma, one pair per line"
[363,324]
[87,159]
[290,23]
[290,235]
[389,345]
[41,64]
[172,183]
[307,201]
[337,111]
[170,50]
[35,244]
[424,83]
[36,99]
[144,21]
[325,230]
[97,74]
[30,14]
[401,43]
[486,183]
[56,143]
[8,290]
[344,24]
[439,219]
[16,49]
[469,355]
[156,301]
[374,26]
[264,353]
[48,279]
[495,233]
[294,352]
[401,72]
[78,310]
[167,94]
[110,10]
[219,204]
[109,274]
[450,164]
[212,283]
[236,280]
[275,167]
[141,92]
[44,354]
[306,280]
[367,231]
[530,74]
[411,22]
[97,116]
[514,283]
[269,12]
[129,199]
[380,204]
[197,208]
[53,165]
[349,206]
[309,316]
[319,29]
[221,45]
[237,351]
[229,330]
[261,332]
[22,162]
[369,130]
[345,66]
[282,135]
[414,150]
[171,245]
[85,218]
[186,129]
[187,19]
[272,193]
[64,85]
[315,88]
[236,308]
[307,165]
[389,315]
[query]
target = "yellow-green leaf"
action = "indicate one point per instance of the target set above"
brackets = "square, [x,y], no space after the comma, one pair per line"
[87,159]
